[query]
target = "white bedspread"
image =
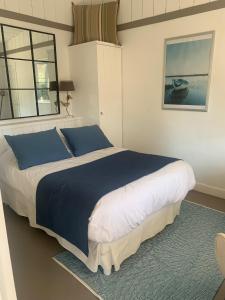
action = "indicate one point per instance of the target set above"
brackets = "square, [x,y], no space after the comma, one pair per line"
[118,212]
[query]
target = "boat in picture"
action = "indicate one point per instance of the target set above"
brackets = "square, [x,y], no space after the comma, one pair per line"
[180,84]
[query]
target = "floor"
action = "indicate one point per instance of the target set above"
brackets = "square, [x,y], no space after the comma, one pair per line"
[37,276]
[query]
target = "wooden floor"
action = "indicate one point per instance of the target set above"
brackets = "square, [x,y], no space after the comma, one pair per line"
[38,277]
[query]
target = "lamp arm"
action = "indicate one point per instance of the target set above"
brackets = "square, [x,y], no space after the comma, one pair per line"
[66,103]
[69,97]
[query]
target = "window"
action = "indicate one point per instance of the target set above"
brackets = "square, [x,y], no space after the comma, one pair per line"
[27,66]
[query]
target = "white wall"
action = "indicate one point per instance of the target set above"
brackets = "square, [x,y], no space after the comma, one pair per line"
[198,137]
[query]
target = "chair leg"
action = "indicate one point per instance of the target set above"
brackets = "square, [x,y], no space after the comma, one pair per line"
[220,251]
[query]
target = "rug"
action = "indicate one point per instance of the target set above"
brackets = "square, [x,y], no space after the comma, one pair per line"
[177,264]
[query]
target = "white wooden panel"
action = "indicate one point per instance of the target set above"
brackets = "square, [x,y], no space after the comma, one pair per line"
[88,2]
[110,92]
[69,13]
[198,2]
[137,9]
[60,11]
[50,11]
[172,5]
[84,72]
[125,11]
[25,7]
[159,7]
[2,4]
[186,3]
[78,2]
[12,5]
[35,125]
[148,8]
[38,8]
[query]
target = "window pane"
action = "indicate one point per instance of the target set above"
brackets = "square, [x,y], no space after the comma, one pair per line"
[5,108]
[43,45]
[24,103]
[21,74]
[3,76]
[47,102]
[45,72]
[17,42]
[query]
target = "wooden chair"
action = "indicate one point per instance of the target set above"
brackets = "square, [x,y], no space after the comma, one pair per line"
[220,251]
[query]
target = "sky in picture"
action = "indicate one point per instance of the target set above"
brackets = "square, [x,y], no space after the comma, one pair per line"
[188,58]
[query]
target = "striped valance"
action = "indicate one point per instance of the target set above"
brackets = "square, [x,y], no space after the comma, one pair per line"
[95,22]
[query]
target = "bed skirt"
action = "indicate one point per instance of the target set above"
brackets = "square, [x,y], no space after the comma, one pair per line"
[111,254]
[105,255]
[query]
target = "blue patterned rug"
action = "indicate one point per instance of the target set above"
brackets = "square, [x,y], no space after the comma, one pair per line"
[177,264]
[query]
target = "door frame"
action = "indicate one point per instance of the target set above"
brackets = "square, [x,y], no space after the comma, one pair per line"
[7,286]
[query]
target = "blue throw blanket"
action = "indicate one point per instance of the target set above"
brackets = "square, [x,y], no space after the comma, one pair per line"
[65,200]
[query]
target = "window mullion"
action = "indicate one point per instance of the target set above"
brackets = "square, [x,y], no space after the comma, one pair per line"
[34,73]
[7,71]
[56,75]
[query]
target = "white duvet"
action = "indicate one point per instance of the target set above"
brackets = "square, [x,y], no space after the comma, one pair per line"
[118,212]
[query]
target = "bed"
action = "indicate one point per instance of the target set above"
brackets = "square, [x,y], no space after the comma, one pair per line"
[120,221]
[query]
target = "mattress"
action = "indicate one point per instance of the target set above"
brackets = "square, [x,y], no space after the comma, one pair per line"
[117,213]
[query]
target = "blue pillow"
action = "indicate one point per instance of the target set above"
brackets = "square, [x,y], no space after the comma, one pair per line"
[37,148]
[86,139]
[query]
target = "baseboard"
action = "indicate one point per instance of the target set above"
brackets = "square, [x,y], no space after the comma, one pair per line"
[210,190]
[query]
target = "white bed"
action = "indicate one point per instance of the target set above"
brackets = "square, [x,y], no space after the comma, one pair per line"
[120,221]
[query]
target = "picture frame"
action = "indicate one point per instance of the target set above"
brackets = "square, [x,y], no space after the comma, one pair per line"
[187,71]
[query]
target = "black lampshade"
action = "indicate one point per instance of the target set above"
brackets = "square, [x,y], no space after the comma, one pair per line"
[64,86]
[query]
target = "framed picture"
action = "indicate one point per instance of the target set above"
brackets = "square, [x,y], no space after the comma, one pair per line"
[187,69]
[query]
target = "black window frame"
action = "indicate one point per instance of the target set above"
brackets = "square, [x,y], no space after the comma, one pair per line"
[33,61]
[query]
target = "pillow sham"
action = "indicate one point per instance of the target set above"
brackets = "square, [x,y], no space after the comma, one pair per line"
[86,139]
[37,148]
[95,22]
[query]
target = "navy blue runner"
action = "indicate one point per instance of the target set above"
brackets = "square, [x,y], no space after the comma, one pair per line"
[65,200]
